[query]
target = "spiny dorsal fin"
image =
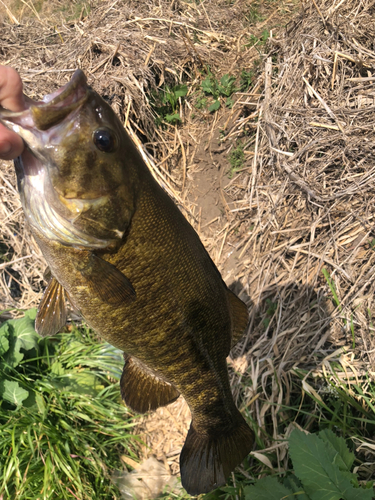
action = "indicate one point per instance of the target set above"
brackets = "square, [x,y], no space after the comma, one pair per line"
[52,313]
[142,390]
[240,317]
[105,280]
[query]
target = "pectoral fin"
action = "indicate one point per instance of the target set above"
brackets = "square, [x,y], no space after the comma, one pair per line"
[52,313]
[142,390]
[240,317]
[105,280]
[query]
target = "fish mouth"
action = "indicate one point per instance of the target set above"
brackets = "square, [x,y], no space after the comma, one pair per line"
[39,124]
[42,120]
[50,111]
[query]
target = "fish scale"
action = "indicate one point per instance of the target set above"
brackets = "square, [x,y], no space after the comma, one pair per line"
[132,265]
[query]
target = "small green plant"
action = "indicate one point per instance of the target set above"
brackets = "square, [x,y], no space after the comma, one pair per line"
[211,86]
[271,309]
[332,287]
[254,16]
[166,103]
[322,471]
[258,41]
[236,159]
[63,427]
[201,102]
[246,79]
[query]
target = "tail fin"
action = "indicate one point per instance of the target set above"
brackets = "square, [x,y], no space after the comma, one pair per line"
[206,460]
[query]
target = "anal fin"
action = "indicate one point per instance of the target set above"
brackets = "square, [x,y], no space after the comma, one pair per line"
[240,317]
[52,312]
[142,390]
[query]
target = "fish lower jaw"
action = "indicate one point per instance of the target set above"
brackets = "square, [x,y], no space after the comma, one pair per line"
[53,226]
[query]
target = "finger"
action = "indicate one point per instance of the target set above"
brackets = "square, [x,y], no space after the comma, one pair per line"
[11,96]
[11,144]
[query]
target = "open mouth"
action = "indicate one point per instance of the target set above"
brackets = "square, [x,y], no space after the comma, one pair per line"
[54,107]
[41,120]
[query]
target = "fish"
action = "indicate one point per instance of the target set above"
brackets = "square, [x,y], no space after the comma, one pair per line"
[122,253]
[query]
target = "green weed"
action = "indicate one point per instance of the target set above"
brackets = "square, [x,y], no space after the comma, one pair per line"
[258,41]
[62,424]
[246,79]
[217,89]
[271,309]
[166,103]
[322,466]
[332,287]
[236,159]
[254,16]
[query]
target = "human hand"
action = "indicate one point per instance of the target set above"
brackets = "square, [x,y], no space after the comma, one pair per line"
[12,98]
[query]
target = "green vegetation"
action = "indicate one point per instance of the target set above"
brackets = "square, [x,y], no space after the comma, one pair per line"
[271,309]
[332,287]
[236,159]
[166,103]
[62,424]
[321,463]
[258,41]
[216,90]
[254,16]
[322,466]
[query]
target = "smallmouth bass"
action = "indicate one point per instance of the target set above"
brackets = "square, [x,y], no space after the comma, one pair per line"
[122,253]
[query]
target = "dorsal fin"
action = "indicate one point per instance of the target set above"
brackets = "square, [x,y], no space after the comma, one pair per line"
[142,390]
[240,317]
[52,313]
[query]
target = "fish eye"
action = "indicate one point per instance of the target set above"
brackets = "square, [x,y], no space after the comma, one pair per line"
[105,140]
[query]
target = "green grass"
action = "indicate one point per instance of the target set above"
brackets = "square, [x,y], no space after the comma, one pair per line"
[62,424]
[236,159]
[320,406]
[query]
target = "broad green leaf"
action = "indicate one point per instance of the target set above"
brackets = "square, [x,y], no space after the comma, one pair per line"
[214,106]
[4,329]
[57,368]
[24,330]
[345,458]
[31,313]
[229,102]
[13,393]
[4,342]
[294,484]
[173,118]
[22,335]
[180,90]
[313,461]
[207,86]
[268,488]
[225,79]
[13,356]
[227,85]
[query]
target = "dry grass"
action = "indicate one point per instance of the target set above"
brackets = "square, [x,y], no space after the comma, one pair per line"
[303,201]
